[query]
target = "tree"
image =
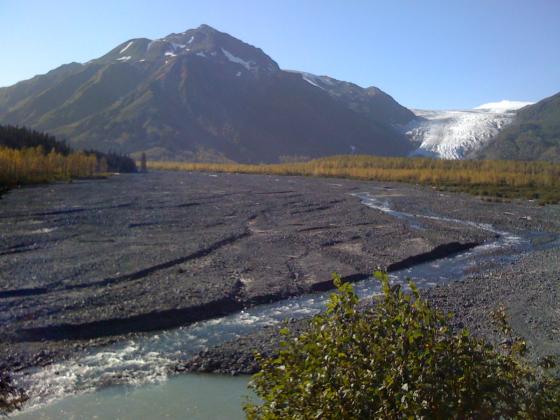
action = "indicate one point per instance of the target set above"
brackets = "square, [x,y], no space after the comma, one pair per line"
[143,164]
[397,359]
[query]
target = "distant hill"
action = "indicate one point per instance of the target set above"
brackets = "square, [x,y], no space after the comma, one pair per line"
[203,95]
[533,135]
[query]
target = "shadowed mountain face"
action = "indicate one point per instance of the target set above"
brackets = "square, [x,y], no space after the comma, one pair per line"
[204,95]
[533,135]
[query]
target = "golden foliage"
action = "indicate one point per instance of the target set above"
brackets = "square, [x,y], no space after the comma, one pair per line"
[510,176]
[32,165]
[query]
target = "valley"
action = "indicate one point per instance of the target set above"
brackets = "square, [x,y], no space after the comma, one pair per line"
[227,210]
[126,279]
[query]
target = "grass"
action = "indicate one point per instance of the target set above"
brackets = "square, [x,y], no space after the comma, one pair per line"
[491,179]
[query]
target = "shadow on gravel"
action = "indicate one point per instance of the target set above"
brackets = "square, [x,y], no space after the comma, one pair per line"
[172,318]
[161,320]
[23,292]
[70,211]
[152,321]
[441,251]
[128,277]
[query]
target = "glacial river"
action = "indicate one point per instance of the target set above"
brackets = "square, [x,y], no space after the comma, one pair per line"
[132,379]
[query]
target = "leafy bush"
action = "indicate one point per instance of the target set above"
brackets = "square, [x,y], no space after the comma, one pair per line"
[397,359]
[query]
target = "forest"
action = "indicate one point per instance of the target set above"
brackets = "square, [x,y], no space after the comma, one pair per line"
[30,157]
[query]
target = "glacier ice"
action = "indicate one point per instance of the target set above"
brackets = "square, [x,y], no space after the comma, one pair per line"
[453,134]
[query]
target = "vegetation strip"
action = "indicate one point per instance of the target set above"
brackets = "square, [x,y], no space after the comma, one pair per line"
[492,178]
[31,157]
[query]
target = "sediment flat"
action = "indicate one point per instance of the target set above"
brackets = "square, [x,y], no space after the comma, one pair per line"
[528,290]
[89,262]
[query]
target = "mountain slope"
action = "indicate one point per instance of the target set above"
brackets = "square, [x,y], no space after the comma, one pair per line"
[533,135]
[371,102]
[456,134]
[204,95]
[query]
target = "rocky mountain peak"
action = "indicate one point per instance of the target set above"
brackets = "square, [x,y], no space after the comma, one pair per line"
[203,42]
[207,28]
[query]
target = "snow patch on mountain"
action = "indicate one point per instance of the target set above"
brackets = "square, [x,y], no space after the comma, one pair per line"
[453,134]
[504,105]
[237,60]
[309,78]
[313,79]
[127,46]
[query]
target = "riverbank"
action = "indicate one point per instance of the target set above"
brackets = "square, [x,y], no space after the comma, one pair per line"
[528,290]
[97,265]
[89,262]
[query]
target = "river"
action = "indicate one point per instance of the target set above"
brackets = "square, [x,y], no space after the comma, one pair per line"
[132,379]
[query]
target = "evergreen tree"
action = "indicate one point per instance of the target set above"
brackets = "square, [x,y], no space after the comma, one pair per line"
[143,164]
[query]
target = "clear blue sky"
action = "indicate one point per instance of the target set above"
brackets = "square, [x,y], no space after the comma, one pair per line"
[427,54]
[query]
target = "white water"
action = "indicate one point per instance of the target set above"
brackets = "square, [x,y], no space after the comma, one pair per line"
[145,362]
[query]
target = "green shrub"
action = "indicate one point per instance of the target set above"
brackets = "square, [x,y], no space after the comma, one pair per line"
[397,359]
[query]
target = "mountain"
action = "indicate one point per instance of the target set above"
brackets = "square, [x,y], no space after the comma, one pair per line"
[456,134]
[533,135]
[371,102]
[205,95]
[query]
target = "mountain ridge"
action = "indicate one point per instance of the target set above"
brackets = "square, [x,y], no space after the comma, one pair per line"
[203,95]
[534,134]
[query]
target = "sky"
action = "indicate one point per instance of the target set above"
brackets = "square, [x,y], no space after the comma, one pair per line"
[448,54]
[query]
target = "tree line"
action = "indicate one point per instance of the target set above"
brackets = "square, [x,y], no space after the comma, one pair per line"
[28,156]
[502,178]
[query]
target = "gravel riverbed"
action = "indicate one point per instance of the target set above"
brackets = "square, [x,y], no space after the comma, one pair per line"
[92,262]
[529,290]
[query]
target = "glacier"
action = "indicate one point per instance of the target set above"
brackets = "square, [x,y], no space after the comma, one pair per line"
[454,134]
